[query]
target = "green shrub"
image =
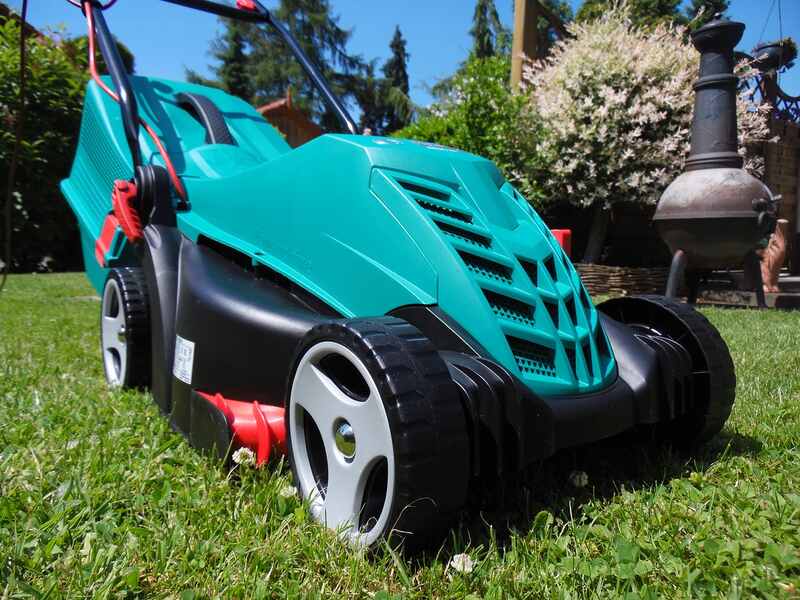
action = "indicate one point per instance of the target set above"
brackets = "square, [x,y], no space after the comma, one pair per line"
[44,230]
[480,115]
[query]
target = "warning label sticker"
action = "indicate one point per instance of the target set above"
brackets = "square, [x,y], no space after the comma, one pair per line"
[184,360]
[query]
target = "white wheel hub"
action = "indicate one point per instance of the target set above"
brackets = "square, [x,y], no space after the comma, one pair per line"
[342,448]
[113,335]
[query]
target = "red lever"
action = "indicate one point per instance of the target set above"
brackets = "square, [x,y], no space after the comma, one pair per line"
[122,199]
[246,5]
[259,427]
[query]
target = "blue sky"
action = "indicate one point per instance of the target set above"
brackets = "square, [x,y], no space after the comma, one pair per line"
[166,38]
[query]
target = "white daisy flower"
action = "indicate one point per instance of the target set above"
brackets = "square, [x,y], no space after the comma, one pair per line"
[462,563]
[288,491]
[579,479]
[245,457]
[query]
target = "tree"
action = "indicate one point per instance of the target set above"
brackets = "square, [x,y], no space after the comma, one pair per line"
[233,70]
[547,34]
[489,37]
[709,8]
[396,68]
[274,69]
[384,102]
[644,13]
[399,107]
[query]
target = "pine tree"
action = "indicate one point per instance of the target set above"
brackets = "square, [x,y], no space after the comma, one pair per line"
[488,34]
[396,68]
[709,8]
[274,68]
[230,51]
[398,104]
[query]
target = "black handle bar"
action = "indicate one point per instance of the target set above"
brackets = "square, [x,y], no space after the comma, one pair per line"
[116,68]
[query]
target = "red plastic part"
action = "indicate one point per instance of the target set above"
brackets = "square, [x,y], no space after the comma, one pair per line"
[103,244]
[245,5]
[564,239]
[256,426]
[122,201]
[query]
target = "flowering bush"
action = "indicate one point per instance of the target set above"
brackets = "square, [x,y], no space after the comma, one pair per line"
[615,107]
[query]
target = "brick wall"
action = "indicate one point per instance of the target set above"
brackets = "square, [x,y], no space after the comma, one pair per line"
[782,174]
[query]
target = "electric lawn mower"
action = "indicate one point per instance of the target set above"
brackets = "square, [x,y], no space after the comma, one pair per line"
[392,315]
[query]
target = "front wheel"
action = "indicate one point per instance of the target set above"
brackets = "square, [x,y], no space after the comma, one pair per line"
[376,433]
[125,329]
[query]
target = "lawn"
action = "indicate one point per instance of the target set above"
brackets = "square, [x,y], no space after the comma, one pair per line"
[99,499]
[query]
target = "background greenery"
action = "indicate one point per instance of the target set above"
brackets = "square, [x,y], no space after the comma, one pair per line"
[98,498]
[44,231]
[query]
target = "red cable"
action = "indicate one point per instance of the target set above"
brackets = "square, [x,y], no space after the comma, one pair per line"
[173,175]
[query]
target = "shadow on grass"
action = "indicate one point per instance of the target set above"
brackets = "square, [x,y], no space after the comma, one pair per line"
[621,463]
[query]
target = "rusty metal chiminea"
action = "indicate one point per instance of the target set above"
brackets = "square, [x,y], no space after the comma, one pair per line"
[715,213]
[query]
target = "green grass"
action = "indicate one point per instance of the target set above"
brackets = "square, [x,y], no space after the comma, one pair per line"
[99,499]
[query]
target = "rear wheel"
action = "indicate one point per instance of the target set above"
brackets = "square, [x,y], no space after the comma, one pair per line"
[376,433]
[712,371]
[125,329]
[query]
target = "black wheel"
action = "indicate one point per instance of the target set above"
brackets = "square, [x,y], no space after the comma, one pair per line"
[125,329]
[376,433]
[713,374]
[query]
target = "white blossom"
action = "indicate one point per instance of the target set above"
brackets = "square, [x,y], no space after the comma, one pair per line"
[245,457]
[614,103]
[462,563]
[288,491]
[579,479]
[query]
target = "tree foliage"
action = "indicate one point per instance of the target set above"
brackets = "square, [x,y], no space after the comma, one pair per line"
[384,102]
[44,231]
[547,34]
[77,49]
[233,70]
[489,37]
[274,69]
[643,13]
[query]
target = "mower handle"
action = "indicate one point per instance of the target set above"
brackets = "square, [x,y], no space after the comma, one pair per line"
[119,76]
[259,14]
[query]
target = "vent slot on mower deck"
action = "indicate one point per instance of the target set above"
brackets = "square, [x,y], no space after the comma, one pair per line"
[509,308]
[532,357]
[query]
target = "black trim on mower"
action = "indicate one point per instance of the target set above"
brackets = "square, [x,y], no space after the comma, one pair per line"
[245,331]
[160,249]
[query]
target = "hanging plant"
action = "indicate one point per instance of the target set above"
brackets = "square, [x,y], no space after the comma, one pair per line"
[775,55]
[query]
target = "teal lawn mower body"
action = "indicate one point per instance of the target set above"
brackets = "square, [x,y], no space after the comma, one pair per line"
[401,274]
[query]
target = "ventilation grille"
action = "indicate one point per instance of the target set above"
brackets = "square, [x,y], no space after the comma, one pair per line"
[532,299]
[470,237]
[510,308]
[486,268]
[444,211]
[533,358]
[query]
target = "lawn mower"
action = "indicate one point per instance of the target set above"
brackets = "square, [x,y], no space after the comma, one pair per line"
[391,315]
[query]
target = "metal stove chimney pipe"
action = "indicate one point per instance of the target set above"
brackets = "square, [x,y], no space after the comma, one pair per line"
[715,213]
[714,133]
